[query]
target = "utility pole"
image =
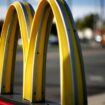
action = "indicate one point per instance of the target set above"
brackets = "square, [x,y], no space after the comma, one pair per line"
[70,1]
[101,13]
[8,2]
[102,8]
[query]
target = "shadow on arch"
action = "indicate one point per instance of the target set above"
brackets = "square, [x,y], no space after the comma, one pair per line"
[18,21]
[72,81]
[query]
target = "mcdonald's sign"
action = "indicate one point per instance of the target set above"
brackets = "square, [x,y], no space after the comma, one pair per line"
[35,29]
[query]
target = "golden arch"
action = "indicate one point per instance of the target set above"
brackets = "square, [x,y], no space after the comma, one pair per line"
[17,13]
[71,65]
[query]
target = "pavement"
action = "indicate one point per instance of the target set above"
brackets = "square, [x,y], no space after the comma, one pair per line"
[96,99]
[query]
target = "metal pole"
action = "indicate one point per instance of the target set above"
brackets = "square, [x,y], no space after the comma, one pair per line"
[70,1]
[8,2]
[101,13]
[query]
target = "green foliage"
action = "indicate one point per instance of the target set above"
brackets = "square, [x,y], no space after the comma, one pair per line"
[87,22]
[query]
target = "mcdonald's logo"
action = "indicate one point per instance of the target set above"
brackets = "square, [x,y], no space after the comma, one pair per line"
[35,29]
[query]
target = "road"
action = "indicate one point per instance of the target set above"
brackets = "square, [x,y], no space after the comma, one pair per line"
[94,61]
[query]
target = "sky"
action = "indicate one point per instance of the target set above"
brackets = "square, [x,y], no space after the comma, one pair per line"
[83,2]
[79,8]
[75,2]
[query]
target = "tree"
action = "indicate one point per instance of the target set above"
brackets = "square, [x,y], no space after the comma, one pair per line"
[88,21]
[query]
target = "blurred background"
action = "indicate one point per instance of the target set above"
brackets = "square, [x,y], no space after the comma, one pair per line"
[89,16]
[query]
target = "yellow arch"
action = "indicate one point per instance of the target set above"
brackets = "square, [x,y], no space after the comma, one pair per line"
[71,68]
[17,13]
[35,38]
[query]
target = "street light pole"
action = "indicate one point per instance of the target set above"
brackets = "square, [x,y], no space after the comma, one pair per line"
[8,2]
[101,13]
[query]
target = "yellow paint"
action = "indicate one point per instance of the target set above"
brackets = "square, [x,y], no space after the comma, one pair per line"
[34,33]
[15,13]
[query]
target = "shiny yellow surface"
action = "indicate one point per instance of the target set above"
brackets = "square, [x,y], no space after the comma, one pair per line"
[38,66]
[77,65]
[34,33]
[15,15]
